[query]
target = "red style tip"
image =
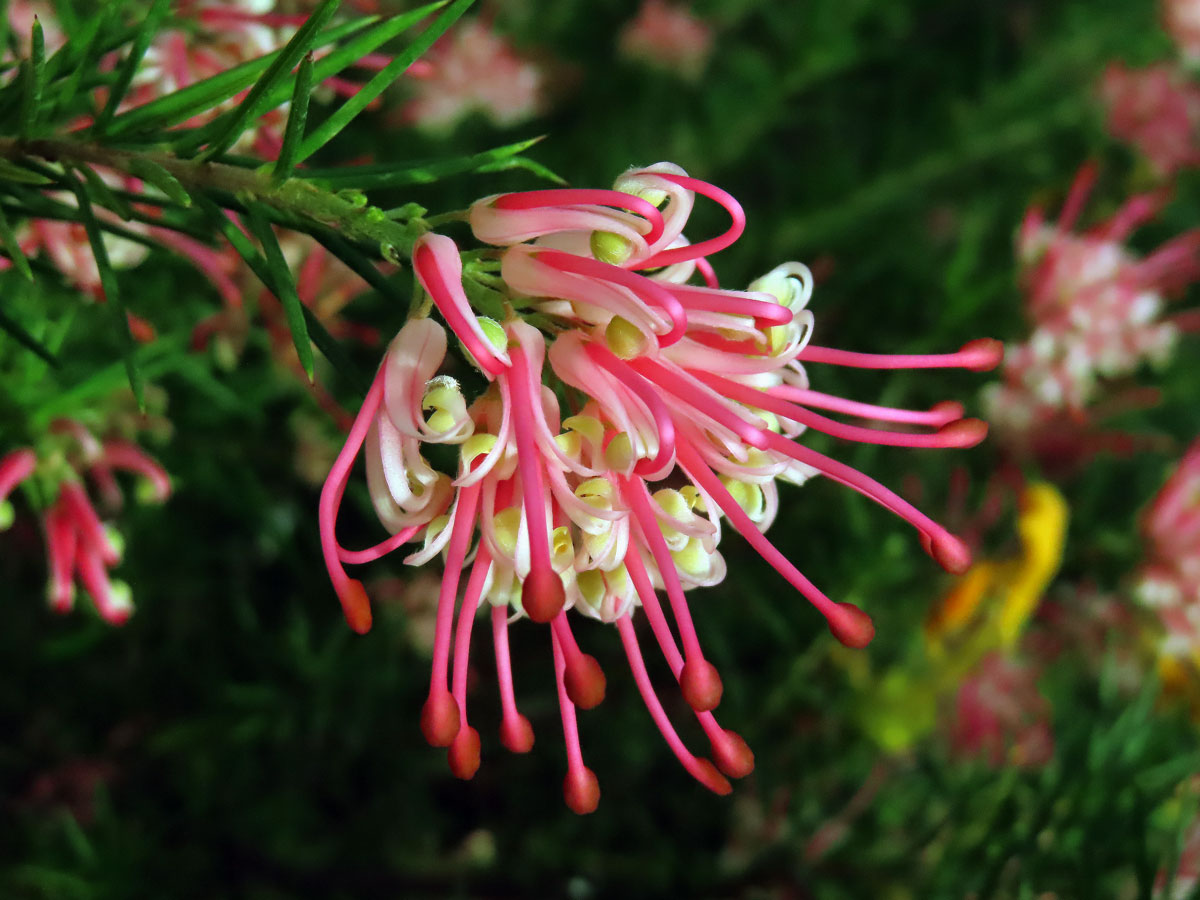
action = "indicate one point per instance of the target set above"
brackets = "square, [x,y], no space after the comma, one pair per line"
[584,680]
[948,411]
[964,433]
[982,354]
[851,625]
[440,719]
[706,773]
[542,594]
[581,790]
[516,734]
[951,553]
[700,684]
[463,754]
[356,606]
[732,754]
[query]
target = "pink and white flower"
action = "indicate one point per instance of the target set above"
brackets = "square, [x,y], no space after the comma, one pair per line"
[668,36]
[684,403]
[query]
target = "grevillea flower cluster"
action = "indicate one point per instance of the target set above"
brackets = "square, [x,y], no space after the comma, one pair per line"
[1156,110]
[1170,580]
[629,416]
[668,36]
[1097,309]
[80,547]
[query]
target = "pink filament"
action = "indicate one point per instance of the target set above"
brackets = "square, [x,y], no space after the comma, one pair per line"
[533,487]
[961,359]
[15,468]
[645,288]
[88,525]
[513,722]
[582,197]
[710,246]
[682,386]
[768,401]
[466,619]
[708,273]
[131,458]
[648,395]
[765,313]
[349,592]
[61,543]
[452,303]
[383,548]
[95,581]
[856,480]
[696,469]
[642,678]
[1077,196]
[575,765]
[635,493]
[939,415]
[456,552]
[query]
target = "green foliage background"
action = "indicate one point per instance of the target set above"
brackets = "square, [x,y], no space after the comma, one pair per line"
[254,748]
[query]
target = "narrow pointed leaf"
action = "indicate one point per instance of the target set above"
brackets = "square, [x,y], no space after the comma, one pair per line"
[283,285]
[13,247]
[129,65]
[297,118]
[152,173]
[76,55]
[348,111]
[427,171]
[103,195]
[361,264]
[19,174]
[333,351]
[181,105]
[25,339]
[108,281]
[254,104]
[33,71]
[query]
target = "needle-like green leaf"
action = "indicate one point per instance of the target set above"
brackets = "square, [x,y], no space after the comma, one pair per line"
[13,247]
[22,336]
[33,71]
[254,104]
[297,118]
[152,173]
[282,285]
[348,111]
[108,282]
[129,65]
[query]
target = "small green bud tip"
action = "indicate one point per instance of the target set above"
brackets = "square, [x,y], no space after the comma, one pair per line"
[610,248]
[463,754]
[516,734]
[964,433]
[581,790]
[542,594]
[732,754]
[585,681]
[440,719]
[8,515]
[851,625]
[700,684]
[356,606]
[706,773]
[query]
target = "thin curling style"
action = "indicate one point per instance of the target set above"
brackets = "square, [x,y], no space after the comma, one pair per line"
[687,401]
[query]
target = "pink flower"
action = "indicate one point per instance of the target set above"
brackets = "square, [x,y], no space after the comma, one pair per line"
[1170,579]
[79,546]
[1182,20]
[1096,309]
[685,402]
[1157,110]
[1000,717]
[474,69]
[668,36]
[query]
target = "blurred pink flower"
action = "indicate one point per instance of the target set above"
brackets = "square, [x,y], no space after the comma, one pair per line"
[78,543]
[1170,579]
[668,36]
[1157,110]
[1182,19]
[474,69]
[1097,312]
[1000,717]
